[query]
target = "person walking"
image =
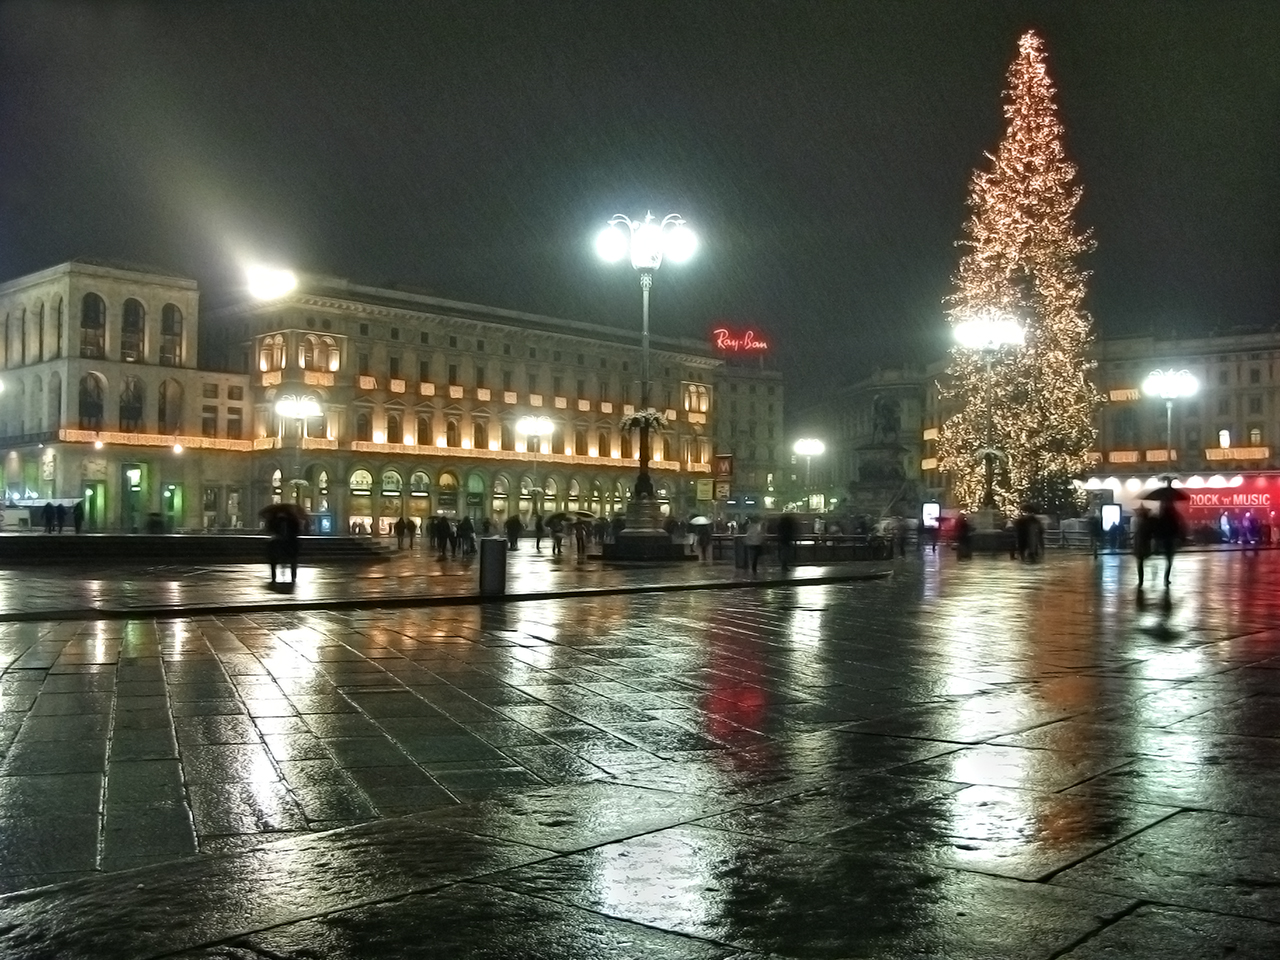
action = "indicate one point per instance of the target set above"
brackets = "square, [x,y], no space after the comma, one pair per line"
[467,536]
[788,531]
[398,528]
[557,536]
[1142,529]
[539,531]
[283,547]
[580,537]
[60,516]
[77,516]
[440,527]
[964,538]
[704,540]
[755,542]
[1169,531]
[514,528]
[411,530]
[46,514]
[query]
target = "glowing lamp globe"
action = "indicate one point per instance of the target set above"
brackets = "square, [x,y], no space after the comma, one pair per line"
[269,283]
[1170,384]
[611,244]
[682,244]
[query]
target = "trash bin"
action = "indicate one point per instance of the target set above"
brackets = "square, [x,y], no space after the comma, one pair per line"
[740,558]
[493,567]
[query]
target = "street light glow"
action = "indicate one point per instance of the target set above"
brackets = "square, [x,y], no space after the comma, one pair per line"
[1170,384]
[534,426]
[989,331]
[808,447]
[270,283]
[647,240]
[611,244]
[298,408]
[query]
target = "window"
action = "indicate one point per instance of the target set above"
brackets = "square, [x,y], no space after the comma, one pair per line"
[208,421]
[364,427]
[582,389]
[91,388]
[533,353]
[170,406]
[209,391]
[603,448]
[235,393]
[326,323]
[132,401]
[1255,404]
[424,370]
[452,435]
[364,329]
[453,342]
[508,381]
[1255,436]
[453,374]
[556,356]
[696,398]
[480,379]
[395,333]
[581,360]
[506,349]
[362,364]
[393,367]
[1255,375]
[424,338]
[508,436]
[580,441]
[604,392]
[132,327]
[395,429]
[558,439]
[1224,439]
[235,422]
[479,346]
[1193,439]
[626,451]
[424,431]
[93,327]
[533,383]
[480,435]
[557,386]
[170,336]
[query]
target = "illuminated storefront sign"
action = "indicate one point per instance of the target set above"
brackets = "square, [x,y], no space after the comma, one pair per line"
[732,341]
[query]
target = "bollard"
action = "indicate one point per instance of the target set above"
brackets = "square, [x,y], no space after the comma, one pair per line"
[493,567]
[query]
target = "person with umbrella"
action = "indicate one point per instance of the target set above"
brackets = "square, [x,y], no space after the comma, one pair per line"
[284,522]
[702,533]
[1167,526]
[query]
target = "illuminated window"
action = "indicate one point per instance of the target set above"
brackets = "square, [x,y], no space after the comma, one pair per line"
[90,402]
[1224,439]
[1255,436]
[395,429]
[480,435]
[452,435]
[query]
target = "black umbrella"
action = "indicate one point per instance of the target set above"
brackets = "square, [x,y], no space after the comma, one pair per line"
[1165,494]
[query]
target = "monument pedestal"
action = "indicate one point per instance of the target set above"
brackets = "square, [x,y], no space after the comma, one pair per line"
[643,537]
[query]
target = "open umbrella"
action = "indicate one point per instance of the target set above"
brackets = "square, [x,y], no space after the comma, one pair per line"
[583,514]
[559,515]
[1165,494]
[272,511]
[700,522]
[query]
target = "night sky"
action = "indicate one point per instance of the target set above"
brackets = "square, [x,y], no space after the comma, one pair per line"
[821,150]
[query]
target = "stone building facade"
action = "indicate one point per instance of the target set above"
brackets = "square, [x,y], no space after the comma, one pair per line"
[363,404]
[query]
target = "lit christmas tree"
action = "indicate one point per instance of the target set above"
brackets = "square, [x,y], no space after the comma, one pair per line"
[1024,413]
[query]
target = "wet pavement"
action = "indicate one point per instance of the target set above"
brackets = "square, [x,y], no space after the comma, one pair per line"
[964,760]
[407,577]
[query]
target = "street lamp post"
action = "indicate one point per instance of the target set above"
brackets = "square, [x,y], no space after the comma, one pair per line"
[809,448]
[536,427]
[647,241]
[986,334]
[298,409]
[1169,385]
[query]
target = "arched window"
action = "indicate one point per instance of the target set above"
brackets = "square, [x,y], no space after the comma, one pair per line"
[55,317]
[132,399]
[508,436]
[364,427]
[170,420]
[603,449]
[395,430]
[91,390]
[627,451]
[361,482]
[329,355]
[655,447]
[580,441]
[557,439]
[419,483]
[452,435]
[55,401]
[277,352]
[480,435]
[18,348]
[424,437]
[39,333]
[37,405]
[309,353]
[447,492]
[391,483]
[132,328]
[93,327]
[696,398]
[170,335]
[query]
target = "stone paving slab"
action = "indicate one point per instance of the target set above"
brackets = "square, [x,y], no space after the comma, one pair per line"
[966,760]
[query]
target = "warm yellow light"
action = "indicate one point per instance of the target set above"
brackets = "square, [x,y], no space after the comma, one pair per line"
[97,444]
[809,448]
[408,439]
[1170,384]
[270,283]
[379,436]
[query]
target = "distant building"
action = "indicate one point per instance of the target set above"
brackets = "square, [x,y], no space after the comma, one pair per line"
[748,429]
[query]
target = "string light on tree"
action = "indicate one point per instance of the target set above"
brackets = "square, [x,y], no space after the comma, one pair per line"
[1021,247]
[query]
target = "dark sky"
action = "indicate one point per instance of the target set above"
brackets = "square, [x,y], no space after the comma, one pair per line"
[821,150]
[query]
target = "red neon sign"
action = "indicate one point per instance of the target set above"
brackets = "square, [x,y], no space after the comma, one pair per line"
[726,339]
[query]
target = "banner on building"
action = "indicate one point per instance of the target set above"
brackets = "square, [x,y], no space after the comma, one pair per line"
[724,465]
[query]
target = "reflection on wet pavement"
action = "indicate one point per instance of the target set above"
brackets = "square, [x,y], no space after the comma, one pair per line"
[984,759]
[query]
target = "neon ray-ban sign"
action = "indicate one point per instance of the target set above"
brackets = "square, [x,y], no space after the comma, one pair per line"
[732,341]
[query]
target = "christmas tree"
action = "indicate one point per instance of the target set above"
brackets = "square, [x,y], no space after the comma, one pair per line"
[1024,414]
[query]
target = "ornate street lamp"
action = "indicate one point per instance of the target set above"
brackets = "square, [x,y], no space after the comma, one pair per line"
[648,241]
[1170,385]
[987,333]
[536,427]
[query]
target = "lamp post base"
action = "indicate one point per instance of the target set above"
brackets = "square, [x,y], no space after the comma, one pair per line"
[643,537]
